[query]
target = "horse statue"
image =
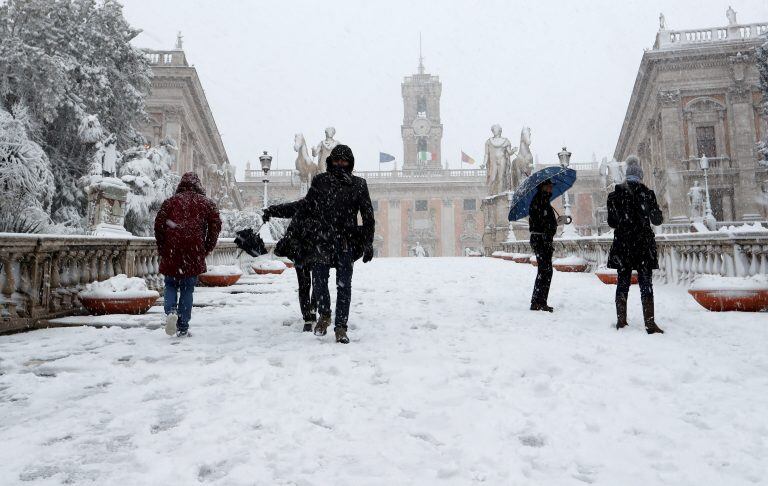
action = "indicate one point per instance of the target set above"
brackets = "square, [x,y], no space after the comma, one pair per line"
[307,168]
[520,168]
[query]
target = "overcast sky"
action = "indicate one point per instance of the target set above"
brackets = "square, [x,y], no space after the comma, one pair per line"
[565,68]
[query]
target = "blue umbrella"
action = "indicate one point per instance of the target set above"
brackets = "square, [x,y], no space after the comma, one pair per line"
[562,179]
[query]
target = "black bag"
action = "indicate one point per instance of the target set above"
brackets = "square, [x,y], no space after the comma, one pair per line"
[250,242]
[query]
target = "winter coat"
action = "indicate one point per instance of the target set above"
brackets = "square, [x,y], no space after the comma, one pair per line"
[632,209]
[295,244]
[329,213]
[186,229]
[541,216]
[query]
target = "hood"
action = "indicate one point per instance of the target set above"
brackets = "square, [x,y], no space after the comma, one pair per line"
[190,182]
[342,152]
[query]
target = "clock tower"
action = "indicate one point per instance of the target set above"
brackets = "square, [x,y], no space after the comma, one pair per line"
[421,130]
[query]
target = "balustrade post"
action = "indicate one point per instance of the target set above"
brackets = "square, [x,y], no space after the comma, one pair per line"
[9,285]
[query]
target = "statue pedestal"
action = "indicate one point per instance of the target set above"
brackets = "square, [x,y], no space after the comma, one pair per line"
[106,207]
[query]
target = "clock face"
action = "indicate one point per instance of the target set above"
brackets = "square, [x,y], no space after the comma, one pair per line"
[421,126]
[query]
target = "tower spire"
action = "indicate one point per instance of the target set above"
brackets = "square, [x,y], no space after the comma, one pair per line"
[421,58]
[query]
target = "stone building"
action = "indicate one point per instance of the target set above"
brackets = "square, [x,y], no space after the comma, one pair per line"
[696,92]
[178,108]
[422,203]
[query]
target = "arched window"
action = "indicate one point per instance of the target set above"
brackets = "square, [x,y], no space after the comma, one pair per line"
[421,106]
[422,145]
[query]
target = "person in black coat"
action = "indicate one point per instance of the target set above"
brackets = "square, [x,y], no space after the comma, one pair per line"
[632,209]
[542,222]
[291,246]
[331,237]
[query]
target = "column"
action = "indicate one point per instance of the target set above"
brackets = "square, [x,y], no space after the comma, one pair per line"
[393,228]
[742,130]
[673,150]
[448,228]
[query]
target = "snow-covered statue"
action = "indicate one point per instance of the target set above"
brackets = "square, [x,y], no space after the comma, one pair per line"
[731,15]
[523,164]
[662,22]
[306,167]
[323,149]
[419,251]
[696,200]
[498,153]
[616,172]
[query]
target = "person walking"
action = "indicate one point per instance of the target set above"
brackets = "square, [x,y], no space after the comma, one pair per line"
[632,209]
[542,222]
[186,230]
[332,205]
[293,246]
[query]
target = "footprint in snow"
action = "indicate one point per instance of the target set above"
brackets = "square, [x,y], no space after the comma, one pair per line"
[532,440]
[321,422]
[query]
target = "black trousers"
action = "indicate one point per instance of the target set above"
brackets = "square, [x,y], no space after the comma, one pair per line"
[543,249]
[306,299]
[320,276]
[644,279]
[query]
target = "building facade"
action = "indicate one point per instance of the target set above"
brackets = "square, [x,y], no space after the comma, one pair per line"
[696,93]
[421,130]
[178,109]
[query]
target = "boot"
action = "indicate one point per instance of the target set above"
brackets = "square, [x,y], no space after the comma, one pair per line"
[536,306]
[322,325]
[648,315]
[309,322]
[341,335]
[621,311]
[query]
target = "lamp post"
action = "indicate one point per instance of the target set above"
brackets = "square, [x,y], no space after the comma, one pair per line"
[709,218]
[266,164]
[568,230]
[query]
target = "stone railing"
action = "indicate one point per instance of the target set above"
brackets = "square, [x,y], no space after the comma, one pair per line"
[681,256]
[677,38]
[280,175]
[41,275]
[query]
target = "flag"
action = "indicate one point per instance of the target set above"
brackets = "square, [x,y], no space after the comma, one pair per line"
[383,157]
[425,156]
[466,158]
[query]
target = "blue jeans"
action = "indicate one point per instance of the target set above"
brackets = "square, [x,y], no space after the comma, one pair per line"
[321,294]
[177,299]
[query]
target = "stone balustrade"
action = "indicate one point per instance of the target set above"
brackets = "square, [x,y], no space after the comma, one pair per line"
[692,37]
[681,256]
[41,275]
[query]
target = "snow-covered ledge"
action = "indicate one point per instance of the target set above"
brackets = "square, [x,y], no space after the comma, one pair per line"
[41,275]
[739,252]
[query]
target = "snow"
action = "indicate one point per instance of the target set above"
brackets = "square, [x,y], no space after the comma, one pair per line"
[570,260]
[744,228]
[119,286]
[269,265]
[223,270]
[449,380]
[716,282]
[610,271]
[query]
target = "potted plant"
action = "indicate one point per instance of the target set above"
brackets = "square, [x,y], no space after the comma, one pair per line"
[570,264]
[118,295]
[720,294]
[220,276]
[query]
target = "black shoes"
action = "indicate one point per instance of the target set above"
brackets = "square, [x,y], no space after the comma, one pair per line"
[308,326]
[321,329]
[341,335]
[541,307]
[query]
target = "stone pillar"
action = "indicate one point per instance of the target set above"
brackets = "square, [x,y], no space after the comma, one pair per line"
[106,207]
[743,152]
[673,150]
[394,229]
[448,228]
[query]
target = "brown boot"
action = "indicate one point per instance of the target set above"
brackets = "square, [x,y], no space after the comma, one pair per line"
[648,316]
[321,328]
[621,311]
[341,335]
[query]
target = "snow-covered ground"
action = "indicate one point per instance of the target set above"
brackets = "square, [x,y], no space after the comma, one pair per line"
[449,379]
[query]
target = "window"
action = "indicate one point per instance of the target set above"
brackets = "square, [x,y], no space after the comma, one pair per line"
[421,106]
[167,58]
[470,204]
[421,205]
[375,205]
[705,142]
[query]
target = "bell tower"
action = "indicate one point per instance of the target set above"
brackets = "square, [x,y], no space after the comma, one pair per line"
[421,130]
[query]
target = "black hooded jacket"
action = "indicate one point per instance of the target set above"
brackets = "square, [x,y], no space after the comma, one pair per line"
[632,209]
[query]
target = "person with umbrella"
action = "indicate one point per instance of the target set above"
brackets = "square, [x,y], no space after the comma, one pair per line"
[534,199]
[632,209]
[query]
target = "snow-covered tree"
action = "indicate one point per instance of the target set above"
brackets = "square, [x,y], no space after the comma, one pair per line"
[148,173]
[65,60]
[26,180]
[762,67]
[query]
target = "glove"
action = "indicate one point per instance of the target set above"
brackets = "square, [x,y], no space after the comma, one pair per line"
[368,254]
[266,215]
[561,220]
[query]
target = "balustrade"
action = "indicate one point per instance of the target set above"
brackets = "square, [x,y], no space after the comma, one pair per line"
[41,275]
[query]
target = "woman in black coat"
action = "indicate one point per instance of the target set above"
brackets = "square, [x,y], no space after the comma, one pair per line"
[632,209]
[542,223]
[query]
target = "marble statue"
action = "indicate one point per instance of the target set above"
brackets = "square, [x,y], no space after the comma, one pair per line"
[498,151]
[662,22]
[696,199]
[731,14]
[323,149]
[306,167]
[521,167]
[419,251]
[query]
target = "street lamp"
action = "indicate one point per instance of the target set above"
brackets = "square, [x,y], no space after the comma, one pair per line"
[709,218]
[568,230]
[266,164]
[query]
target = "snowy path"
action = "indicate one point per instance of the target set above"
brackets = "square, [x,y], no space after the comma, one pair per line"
[449,380]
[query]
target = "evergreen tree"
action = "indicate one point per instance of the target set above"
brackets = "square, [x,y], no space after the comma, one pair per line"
[761,55]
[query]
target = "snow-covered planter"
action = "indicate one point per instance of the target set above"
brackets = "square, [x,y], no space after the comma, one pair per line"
[570,264]
[287,261]
[499,254]
[720,294]
[521,258]
[220,276]
[269,267]
[609,276]
[118,295]
[533,261]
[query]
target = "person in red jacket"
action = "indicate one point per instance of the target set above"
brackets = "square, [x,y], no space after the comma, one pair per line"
[186,230]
